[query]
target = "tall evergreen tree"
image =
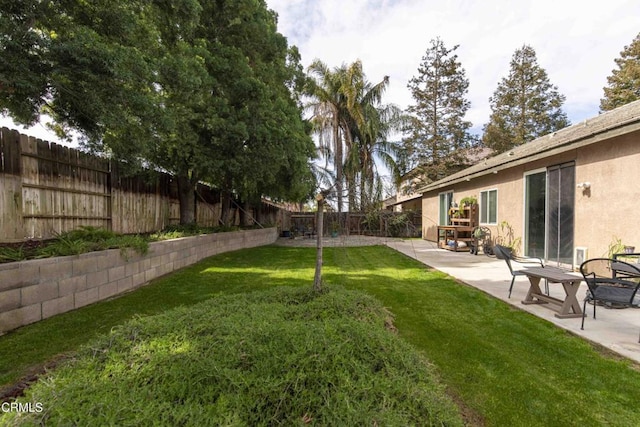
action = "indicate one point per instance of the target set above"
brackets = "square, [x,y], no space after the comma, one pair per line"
[624,82]
[439,136]
[524,106]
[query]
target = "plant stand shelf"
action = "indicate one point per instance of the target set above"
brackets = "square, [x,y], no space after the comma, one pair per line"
[455,234]
[458,235]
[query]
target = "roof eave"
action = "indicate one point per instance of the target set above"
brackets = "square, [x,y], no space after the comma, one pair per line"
[588,139]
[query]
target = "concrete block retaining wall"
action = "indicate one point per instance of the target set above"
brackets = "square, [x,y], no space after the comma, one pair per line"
[36,289]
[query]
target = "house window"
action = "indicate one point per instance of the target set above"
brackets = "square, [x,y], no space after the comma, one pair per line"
[489,207]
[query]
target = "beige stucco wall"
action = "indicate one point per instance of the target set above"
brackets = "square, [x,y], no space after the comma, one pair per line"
[610,207]
[509,186]
[606,210]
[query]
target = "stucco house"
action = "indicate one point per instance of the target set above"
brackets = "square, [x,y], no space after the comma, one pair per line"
[409,197]
[406,199]
[569,194]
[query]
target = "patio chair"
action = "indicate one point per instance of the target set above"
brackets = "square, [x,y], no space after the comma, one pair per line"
[505,253]
[629,258]
[610,282]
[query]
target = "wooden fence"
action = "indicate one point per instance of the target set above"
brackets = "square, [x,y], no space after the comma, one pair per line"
[46,189]
[379,223]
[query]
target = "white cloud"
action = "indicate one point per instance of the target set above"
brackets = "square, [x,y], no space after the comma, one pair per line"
[575,43]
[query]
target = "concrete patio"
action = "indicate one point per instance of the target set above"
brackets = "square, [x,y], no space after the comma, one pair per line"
[615,329]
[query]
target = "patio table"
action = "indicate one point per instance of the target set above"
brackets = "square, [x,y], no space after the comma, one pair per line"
[567,308]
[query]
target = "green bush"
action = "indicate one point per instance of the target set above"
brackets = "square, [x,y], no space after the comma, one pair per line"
[88,239]
[8,254]
[286,356]
[398,224]
[175,231]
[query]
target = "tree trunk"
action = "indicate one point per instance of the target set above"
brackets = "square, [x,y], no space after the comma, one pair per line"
[187,198]
[226,208]
[317,281]
[257,215]
[246,218]
[227,217]
[337,141]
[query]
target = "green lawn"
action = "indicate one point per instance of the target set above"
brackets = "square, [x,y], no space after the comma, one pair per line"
[508,367]
[284,356]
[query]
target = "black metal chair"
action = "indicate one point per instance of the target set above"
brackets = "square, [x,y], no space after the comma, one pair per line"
[505,253]
[610,281]
[630,258]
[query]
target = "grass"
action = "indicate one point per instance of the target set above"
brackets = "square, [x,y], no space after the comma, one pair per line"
[507,366]
[285,356]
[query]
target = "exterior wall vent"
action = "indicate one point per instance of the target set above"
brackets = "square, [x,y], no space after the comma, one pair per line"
[579,256]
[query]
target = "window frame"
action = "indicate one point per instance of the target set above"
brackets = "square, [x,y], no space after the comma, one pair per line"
[485,211]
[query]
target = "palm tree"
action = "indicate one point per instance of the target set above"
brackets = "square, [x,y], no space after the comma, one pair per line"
[353,127]
[370,125]
[373,146]
[328,117]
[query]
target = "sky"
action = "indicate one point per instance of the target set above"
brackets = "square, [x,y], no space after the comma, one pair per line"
[576,42]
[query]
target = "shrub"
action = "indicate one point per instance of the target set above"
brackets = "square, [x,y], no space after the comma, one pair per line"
[175,231]
[8,254]
[287,356]
[88,239]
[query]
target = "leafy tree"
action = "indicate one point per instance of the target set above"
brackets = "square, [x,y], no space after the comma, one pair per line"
[267,148]
[524,106]
[23,69]
[198,88]
[624,82]
[439,137]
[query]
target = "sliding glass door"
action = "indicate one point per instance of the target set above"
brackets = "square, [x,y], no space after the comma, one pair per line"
[549,213]
[560,201]
[535,213]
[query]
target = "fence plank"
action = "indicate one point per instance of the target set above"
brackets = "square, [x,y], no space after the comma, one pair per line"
[47,188]
[9,151]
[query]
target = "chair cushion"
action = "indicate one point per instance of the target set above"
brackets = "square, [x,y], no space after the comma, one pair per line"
[613,294]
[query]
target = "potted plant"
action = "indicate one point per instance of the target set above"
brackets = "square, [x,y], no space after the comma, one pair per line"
[468,201]
[616,247]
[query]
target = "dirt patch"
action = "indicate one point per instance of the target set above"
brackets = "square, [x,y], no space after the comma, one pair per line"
[469,416]
[16,390]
